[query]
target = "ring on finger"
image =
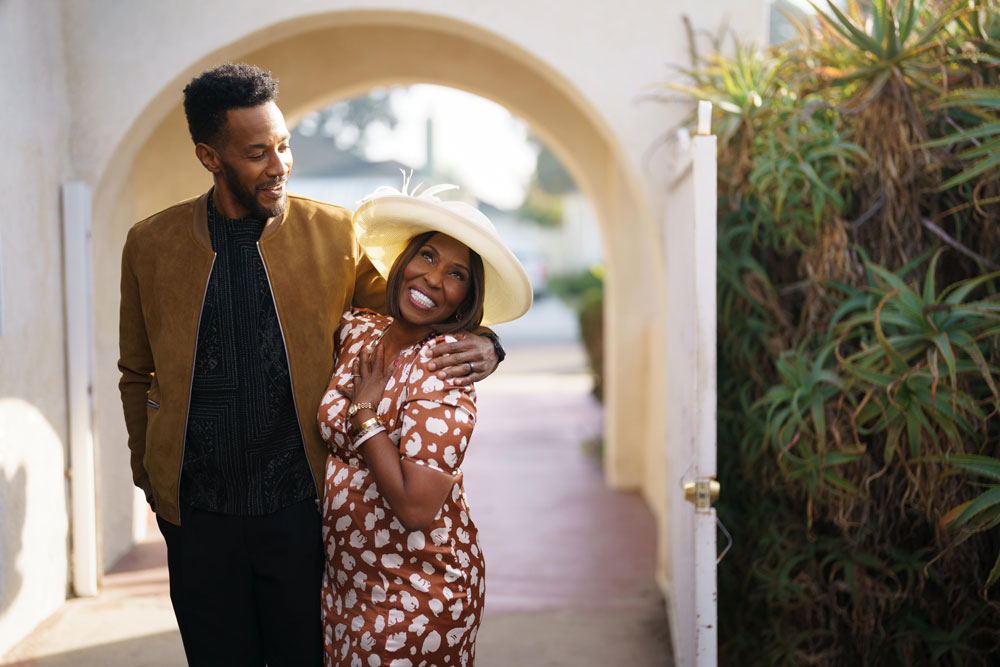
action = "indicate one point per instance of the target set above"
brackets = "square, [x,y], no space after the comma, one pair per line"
[472,369]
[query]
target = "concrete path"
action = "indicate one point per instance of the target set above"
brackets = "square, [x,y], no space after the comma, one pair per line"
[569,563]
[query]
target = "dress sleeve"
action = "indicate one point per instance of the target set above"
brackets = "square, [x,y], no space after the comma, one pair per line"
[354,329]
[437,417]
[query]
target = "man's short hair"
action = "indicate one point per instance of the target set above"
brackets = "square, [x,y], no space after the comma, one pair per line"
[214,92]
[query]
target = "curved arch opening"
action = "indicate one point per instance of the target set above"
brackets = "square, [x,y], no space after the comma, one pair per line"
[326,57]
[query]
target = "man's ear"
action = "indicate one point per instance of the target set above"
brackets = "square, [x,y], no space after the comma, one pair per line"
[209,158]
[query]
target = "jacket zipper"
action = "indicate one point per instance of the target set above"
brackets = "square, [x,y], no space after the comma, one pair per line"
[288,362]
[187,414]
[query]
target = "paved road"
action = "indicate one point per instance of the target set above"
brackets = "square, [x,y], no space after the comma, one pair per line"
[569,563]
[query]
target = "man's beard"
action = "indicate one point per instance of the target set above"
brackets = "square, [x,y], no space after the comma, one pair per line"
[247,197]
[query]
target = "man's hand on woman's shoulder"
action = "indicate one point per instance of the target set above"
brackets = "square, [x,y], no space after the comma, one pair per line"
[469,359]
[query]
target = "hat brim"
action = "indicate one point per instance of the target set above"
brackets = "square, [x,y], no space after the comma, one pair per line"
[384,226]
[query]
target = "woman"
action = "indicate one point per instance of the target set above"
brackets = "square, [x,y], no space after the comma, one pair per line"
[403,583]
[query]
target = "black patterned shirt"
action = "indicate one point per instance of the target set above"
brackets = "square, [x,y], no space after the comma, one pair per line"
[244,453]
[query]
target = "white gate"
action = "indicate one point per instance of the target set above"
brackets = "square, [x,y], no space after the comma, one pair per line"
[690,255]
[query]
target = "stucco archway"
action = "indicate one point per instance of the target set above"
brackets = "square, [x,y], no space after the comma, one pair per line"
[331,56]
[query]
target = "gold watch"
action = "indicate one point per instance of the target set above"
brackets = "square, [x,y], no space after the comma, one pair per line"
[356,407]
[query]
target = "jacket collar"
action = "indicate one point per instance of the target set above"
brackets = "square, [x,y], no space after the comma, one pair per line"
[200,221]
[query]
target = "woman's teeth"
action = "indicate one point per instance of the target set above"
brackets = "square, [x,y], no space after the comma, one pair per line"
[421,299]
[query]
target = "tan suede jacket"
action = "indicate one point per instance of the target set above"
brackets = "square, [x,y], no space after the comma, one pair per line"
[316,271]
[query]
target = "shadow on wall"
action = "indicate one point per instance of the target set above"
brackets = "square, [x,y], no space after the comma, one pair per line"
[13,491]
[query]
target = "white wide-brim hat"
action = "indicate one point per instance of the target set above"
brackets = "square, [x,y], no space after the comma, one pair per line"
[387,219]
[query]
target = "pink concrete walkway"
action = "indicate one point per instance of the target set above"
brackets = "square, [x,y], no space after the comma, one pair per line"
[569,564]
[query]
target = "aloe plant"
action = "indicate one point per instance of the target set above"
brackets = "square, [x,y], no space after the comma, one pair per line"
[858,361]
[886,39]
[978,35]
[978,145]
[983,512]
[915,346]
[800,178]
[796,422]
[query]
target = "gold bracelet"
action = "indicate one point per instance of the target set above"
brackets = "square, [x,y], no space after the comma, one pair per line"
[367,424]
[360,436]
[368,435]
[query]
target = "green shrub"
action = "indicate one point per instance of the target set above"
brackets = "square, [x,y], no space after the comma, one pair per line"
[584,293]
[859,337]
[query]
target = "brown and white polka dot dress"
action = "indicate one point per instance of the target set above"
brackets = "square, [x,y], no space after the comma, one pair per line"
[395,597]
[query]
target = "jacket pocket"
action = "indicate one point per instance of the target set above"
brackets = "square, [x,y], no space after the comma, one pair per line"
[153,395]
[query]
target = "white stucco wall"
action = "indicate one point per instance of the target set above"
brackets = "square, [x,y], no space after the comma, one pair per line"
[609,52]
[94,80]
[34,122]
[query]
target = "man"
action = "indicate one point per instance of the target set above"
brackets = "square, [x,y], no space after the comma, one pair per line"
[229,304]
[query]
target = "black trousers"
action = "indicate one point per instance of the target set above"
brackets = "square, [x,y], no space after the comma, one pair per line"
[246,589]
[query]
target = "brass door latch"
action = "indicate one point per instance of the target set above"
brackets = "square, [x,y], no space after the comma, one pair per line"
[702,492]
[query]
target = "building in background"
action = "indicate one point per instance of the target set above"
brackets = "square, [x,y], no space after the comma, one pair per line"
[337,171]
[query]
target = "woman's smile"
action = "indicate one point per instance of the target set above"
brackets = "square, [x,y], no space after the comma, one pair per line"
[435,281]
[421,300]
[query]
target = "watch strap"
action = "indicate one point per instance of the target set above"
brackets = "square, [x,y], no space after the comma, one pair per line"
[495,339]
[355,407]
